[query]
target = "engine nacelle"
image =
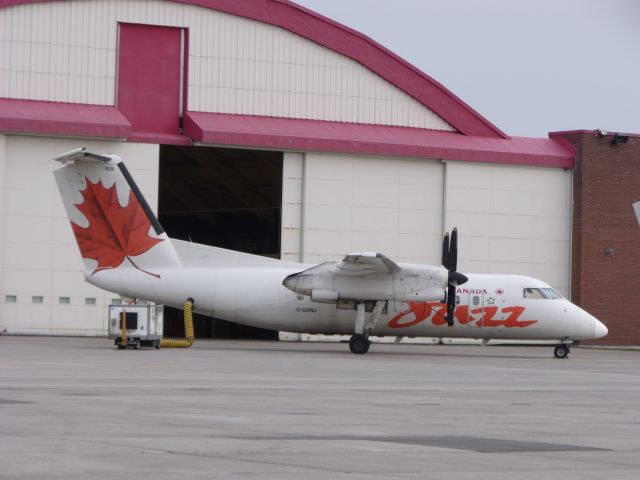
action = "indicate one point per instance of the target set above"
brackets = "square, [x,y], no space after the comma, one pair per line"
[418,283]
[324,296]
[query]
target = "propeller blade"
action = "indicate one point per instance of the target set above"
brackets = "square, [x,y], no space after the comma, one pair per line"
[445,251]
[450,262]
[453,251]
[451,304]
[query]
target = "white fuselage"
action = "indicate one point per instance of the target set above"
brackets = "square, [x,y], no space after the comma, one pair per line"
[490,306]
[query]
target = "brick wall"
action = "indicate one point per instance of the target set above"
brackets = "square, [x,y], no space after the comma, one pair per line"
[606,235]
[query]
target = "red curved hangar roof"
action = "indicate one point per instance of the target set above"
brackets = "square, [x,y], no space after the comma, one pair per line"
[476,138]
[348,42]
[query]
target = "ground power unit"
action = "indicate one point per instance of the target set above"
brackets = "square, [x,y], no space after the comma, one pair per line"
[141,324]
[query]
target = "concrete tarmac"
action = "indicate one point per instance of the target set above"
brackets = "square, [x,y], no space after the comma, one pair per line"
[77,408]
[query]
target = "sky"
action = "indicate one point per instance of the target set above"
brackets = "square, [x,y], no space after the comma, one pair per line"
[529,67]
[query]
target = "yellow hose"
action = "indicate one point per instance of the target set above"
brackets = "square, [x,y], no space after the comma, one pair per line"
[186,342]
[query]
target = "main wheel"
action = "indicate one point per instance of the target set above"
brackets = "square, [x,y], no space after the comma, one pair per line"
[359,344]
[561,351]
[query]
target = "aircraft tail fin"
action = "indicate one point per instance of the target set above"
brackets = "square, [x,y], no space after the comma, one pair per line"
[113,224]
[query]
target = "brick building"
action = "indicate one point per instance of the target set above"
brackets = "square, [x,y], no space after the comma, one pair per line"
[606,236]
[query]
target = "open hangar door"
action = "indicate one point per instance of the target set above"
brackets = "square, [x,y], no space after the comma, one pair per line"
[223,197]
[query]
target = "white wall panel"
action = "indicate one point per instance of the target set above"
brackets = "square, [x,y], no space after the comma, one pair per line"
[511,226]
[291,188]
[355,203]
[475,224]
[66,52]
[420,222]
[329,166]
[25,283]
[374,219]
[550,273]
[512,219]
[375,242]
[327,217]
[291,240]
[551,228]
[327,243]
[468,199]
[38,254]
[316,192]
[373,194]
[513,268]
[513,202]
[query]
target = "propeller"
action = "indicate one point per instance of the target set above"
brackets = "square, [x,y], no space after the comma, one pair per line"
[450,262]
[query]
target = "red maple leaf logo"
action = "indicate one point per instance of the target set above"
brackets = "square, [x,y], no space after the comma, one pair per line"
[114,232]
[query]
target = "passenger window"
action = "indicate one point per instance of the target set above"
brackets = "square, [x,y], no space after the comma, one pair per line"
[533,293]
[476,300]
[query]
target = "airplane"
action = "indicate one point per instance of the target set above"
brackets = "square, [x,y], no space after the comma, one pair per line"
[126,251]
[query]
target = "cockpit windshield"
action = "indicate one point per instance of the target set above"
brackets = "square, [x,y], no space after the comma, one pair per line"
[540,293]
[533,293]
[551,293]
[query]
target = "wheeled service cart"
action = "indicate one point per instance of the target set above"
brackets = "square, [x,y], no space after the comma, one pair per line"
[142,325]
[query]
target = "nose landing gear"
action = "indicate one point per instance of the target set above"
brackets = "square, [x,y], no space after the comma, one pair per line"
[359,342]
[561,351]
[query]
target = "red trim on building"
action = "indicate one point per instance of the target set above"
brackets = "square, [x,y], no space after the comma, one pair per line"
[315,135]
[70,119]
[160,138]
[359,47]
[54,118]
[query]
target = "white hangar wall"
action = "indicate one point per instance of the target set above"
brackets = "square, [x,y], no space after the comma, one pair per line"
[39,255]
[66,52]
[512,219]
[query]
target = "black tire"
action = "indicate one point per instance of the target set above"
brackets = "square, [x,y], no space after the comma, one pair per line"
[359,344]
[137,344]
[561,351]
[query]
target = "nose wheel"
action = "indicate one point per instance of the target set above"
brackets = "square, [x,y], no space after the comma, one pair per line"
[561,351]
[359,344]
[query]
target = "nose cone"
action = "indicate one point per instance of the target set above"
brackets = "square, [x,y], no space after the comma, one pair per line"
[291,282]
[585,325]
[599,329]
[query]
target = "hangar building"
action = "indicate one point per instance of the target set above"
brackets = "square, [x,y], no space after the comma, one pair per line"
[261,126]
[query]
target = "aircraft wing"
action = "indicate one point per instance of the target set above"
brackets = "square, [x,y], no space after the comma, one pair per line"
[369,276]
[365,263]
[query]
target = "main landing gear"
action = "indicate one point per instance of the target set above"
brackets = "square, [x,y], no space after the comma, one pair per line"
[359,342]
[561,351]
